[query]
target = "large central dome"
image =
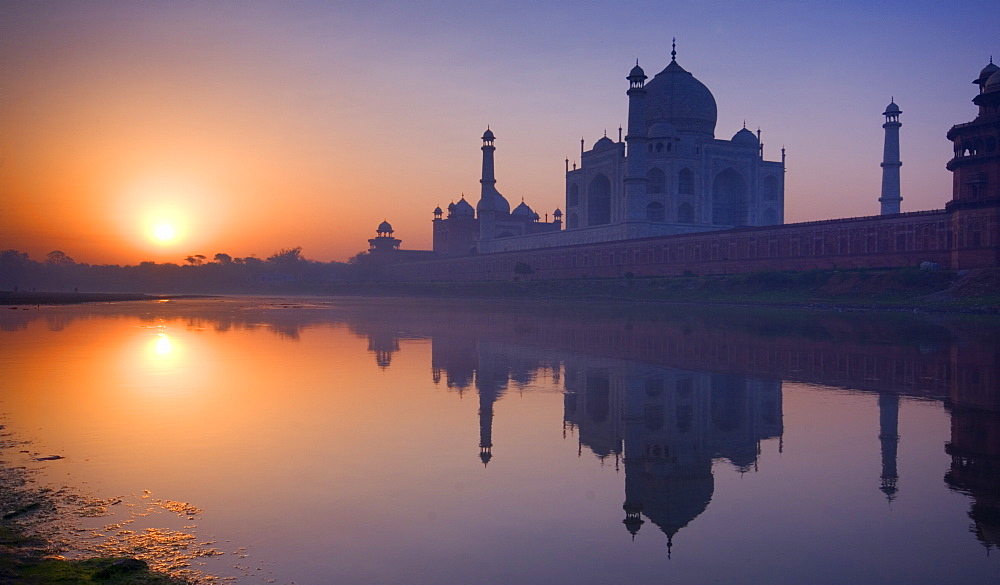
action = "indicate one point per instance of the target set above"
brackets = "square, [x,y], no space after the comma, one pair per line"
[675,96]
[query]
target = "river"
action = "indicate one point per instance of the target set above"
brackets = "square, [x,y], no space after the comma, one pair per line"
[318,440]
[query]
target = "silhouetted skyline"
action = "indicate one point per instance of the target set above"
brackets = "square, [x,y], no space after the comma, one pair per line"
[251,127]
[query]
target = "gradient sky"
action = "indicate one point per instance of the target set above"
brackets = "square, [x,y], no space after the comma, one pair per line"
[254,126]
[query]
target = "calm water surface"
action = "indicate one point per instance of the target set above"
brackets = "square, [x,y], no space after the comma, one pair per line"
[402,442]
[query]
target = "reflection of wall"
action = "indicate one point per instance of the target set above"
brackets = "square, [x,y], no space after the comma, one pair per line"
[975,467]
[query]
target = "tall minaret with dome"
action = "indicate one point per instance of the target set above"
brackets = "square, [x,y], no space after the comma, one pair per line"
[635,169]
[890,198]
[491,203]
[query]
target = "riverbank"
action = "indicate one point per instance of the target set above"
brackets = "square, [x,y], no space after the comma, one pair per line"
[27,554]
[907,289]
[897,289]
[73,298]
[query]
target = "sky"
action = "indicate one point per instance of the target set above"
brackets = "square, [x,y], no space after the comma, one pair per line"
[151,131]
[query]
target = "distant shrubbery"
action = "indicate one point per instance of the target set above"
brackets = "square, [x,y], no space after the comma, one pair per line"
[286,270]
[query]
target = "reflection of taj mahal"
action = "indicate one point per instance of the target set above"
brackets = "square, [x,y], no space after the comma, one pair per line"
[672,403]
[674,424]
[671,425]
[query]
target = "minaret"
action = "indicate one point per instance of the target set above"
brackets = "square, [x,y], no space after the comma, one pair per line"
[888,429]
[890,160]
[491,203]
[635,169]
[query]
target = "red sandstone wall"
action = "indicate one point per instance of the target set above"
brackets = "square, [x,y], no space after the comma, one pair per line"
[965,239]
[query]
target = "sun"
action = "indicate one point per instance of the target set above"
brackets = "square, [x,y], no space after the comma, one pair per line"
[164,233]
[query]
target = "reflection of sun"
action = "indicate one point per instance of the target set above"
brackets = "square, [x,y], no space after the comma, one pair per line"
[162,353]
[162,344]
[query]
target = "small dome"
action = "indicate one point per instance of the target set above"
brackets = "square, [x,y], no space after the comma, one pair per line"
[604,143]
[437,211]
[384,228]
[522,209]
[488,135]
[451,206]
[993,83]
[557,213]
[892,108]
[463,207]
[744,138]
[636,72]
[987,72]
[662,130]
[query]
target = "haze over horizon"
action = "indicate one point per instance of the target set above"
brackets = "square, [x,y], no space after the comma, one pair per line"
[154,131]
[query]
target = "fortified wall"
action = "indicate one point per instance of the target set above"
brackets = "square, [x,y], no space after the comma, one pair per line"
[970,239]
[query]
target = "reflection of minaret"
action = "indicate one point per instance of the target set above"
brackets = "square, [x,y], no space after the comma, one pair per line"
[632,419]
[486,400]
[491,381]
[888,424]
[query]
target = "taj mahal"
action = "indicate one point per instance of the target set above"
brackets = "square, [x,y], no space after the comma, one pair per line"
[670,198]
[670,175]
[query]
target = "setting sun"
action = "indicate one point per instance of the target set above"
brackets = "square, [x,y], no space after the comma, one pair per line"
[164,233]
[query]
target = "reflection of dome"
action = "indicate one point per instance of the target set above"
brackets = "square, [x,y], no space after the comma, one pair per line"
[675,96]
[384,228]
[744,138]
[463,207]
[673,502]
[604,143]
[662,130]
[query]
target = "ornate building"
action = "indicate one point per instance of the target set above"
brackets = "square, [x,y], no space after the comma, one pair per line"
[672,175]
[669,176]
[460,233]
[671,199]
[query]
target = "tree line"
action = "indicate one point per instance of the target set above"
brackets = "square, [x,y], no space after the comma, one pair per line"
[285,270]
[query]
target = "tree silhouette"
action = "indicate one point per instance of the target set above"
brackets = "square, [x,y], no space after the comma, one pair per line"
[286,256]
[195,260]
[58,258]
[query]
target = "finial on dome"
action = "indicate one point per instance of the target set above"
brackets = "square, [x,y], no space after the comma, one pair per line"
[744,124]
[605,132]
[673,50]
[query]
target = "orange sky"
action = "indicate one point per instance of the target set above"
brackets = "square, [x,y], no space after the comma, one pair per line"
[252,127]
